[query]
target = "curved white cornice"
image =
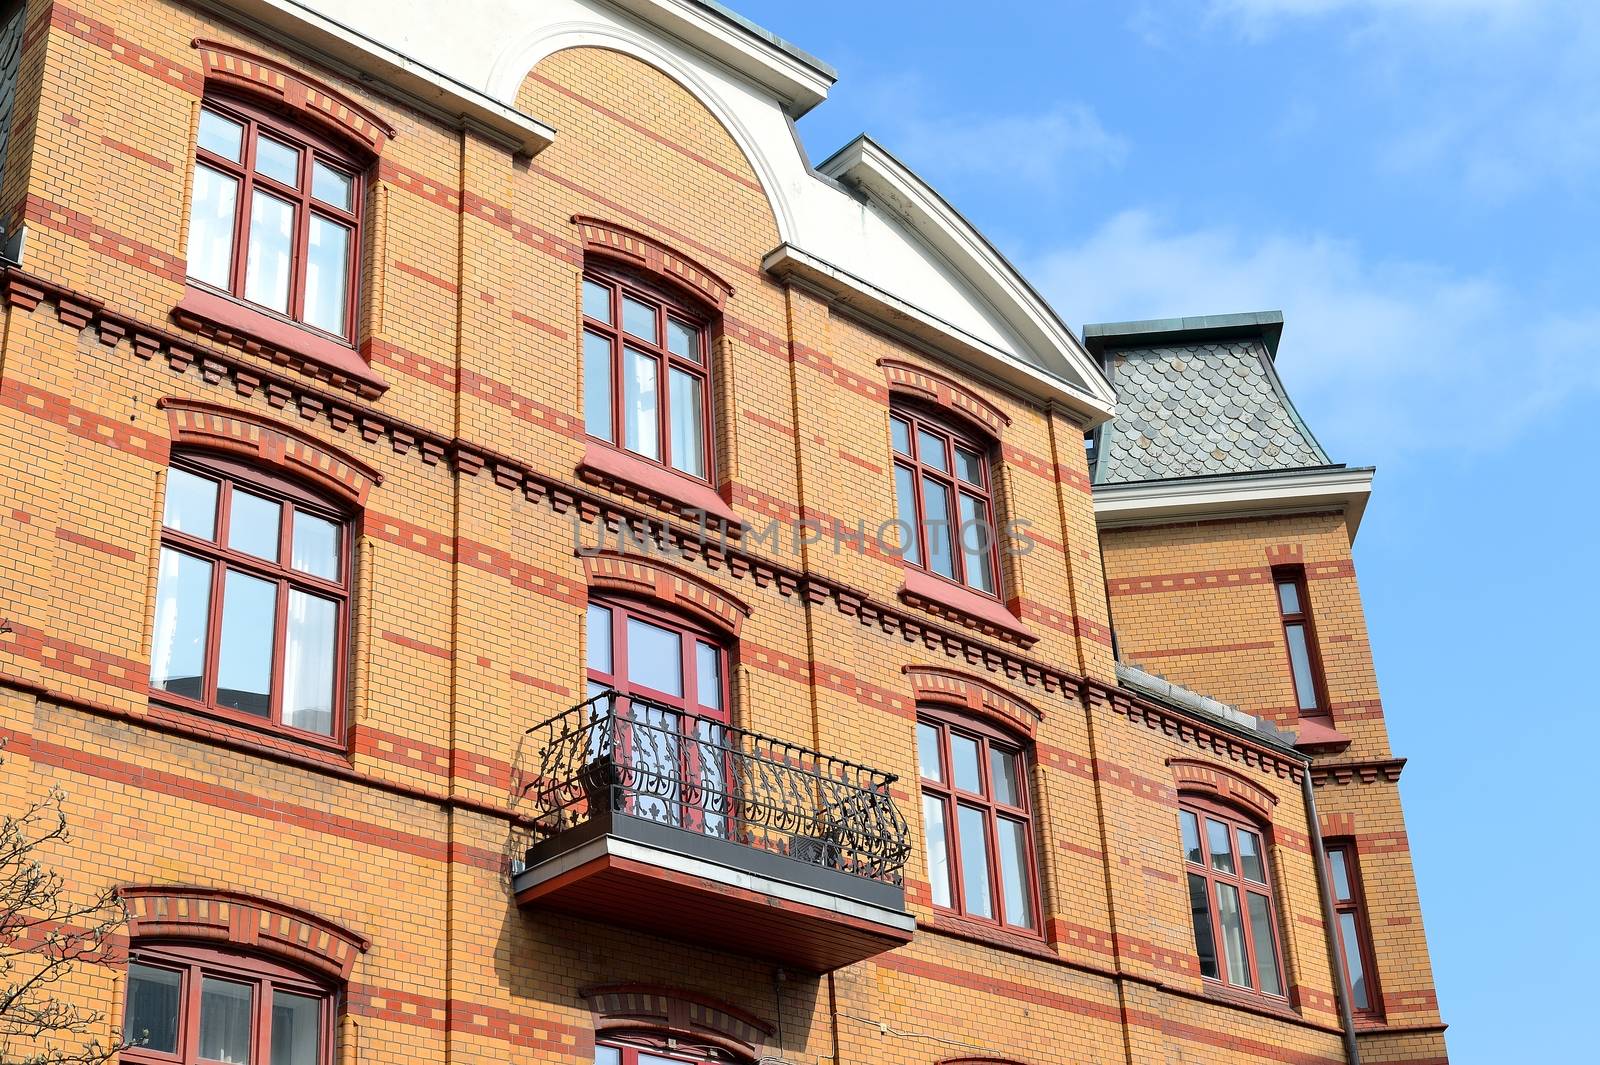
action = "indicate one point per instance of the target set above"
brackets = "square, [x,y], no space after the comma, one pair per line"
[1239,495]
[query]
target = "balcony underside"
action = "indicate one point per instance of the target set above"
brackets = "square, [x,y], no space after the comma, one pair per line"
[641,874]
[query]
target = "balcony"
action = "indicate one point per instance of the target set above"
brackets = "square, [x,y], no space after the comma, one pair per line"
[656,820]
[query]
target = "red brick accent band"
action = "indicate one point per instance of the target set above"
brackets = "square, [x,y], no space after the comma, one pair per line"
[667,584]
[629,1005]
[217,428]
[175,911]
[1223,784]
[937,684]
[242,71]
[910,379]
[634,248]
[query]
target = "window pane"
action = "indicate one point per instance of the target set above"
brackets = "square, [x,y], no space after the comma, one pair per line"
[224,1021]
[1003,777]
[296,1029]
[640,404]
[684,341]
[969,466]
[332,187]
[277,160]
[183,612]
[314,548]
[901,433]
[1359,998]
[928,752]
[1013,842]
[688,423]
[1300,659]
[905,494]
[1221,853]
[211,218]
[151,1020]
[976,540]
[974,862]
[191,504]
[655,657]
[313,641]
[1232,935]
[936,515]
[600,639]
[938,849]
[930,449]
[220,135]
[964,757]
[1341,874]
[327,275]
[1191,837]
[1289,597]
[657,767]
[639,319]
[607,1056]
[244,663]
[266,271]
[597,386]
[597,301]
[1266,946]
[708,675]
[1250,856]
[1200,909]
[253,525]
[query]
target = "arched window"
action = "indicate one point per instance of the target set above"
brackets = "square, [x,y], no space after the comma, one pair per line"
[646,371]
[1230,897]
[188,1004]
[944,499]
[275,217]
[978,819]
[646,1049]
[252,599]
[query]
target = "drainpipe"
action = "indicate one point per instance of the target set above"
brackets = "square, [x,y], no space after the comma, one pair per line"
[1352,1052]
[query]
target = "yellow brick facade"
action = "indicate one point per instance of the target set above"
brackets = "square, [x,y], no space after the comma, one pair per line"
[469,597]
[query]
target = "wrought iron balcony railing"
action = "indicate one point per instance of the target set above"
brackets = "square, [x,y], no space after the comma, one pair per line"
[616,754]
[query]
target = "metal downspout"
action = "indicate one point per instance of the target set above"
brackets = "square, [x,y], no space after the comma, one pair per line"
[1352,1052]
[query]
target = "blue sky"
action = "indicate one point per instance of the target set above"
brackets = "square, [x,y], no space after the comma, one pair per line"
[1416,184]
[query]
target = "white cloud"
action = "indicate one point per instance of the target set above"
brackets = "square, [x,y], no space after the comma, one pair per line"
[1386,359]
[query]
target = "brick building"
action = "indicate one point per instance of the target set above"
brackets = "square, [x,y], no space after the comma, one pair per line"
[479,559]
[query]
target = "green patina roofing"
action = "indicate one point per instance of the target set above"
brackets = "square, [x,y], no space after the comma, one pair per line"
[1268,325]
[769,37]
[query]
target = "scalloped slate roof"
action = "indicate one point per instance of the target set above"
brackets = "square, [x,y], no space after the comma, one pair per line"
[1199,406]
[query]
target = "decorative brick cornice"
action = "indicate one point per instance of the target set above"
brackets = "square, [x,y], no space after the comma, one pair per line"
[909,379]
[216,428]
[675,588]
[949,687]
[1368,772]
[629,246]
[211,914]
[672,1011]
[263,78]
[1196,732]
[1224,784]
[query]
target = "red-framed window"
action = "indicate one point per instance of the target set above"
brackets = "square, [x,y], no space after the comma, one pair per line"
[252,599]
[275,218]
[978,821]
[647,373]
[1355,934]
[1300,637]
[670,732]
[647,1049]
[944,501]
[1231,898]
[188,1005]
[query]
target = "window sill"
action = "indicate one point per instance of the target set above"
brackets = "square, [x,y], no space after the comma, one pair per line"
[1017,942]
[955,602]
[220,724]
[611,467]
[1254,1001]
[227,321]
[1315,737]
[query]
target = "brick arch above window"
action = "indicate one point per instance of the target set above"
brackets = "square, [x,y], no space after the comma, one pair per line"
[249,922]
[211,427]
[632,248]
[981,1061]
[683,1014]
[949,395]
[1203,778]
[260,78]
[669,585]
[948,687]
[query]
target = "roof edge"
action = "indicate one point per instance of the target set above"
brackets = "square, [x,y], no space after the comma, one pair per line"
[1153,332]
[1261,493]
